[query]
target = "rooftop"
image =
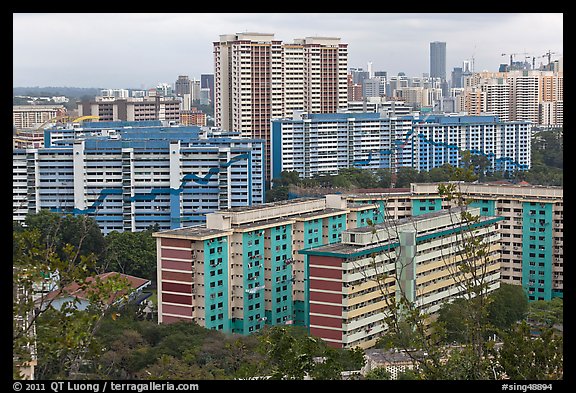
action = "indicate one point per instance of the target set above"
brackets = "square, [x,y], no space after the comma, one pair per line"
[83,292]
[269,205]
[196,232]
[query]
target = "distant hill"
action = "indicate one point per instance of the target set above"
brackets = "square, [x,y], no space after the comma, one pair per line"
[49,91]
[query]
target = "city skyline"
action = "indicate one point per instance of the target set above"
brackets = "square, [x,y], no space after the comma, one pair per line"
[93,50]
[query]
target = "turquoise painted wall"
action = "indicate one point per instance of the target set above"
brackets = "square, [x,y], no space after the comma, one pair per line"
[487,206]
[281,276]
[378,214]
[312,233]
[336,225]
[537,252]
[312,238]
[428,205]
[300,313]
[364,218]
[253,283]
[216,284]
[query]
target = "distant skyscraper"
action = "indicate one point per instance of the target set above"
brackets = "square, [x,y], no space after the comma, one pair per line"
[183,86]
[207,82]
[438,60]
[457,77]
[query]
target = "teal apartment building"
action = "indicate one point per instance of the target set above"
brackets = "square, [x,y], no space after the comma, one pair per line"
[532,234]
[248,267]
[241,270]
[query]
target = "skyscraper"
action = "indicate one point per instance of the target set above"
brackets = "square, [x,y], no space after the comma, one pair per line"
[207,82]
[438,60]
[183,86]
[258,78]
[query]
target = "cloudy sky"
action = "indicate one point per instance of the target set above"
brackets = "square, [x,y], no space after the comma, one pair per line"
[141,50]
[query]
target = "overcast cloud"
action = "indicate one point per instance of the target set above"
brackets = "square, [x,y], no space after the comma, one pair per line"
[123,50]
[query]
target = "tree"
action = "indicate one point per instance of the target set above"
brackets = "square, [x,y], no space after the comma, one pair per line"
[384,178]
[132,253]
[378,373]
[405,176]
[508,305]
[44,262]
[57,230]
[416,332]
[525,357]
[546,312]
[423,337]
[290,353]
[450,316]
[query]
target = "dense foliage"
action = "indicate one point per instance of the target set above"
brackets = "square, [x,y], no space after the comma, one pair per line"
[140,349]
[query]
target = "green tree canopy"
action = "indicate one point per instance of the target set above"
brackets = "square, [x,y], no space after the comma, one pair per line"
[508,305]
[81,232]
[132,253]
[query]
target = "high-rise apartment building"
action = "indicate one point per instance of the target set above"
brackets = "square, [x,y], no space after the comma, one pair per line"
[323,144]
[352,282]
[311,261]
[438,60]
[131,175]
[242,270]
[524,95]
[192,117]
[258,78]
[532,233]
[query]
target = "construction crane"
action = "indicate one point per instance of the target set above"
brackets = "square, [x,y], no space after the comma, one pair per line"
[51,120]
[512,56]
[82,118]
[549,55]
[65,118]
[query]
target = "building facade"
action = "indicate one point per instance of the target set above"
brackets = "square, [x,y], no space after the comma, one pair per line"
[241,270]
[531,235]
[258,78]
[314,262]
[132,175]
[183,85]
[28,117]
[194,117]
[533,95]
[418,258]
[438,60]
[132,109]
[317,144]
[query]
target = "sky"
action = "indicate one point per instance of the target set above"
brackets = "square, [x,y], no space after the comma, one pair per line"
[142,50]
